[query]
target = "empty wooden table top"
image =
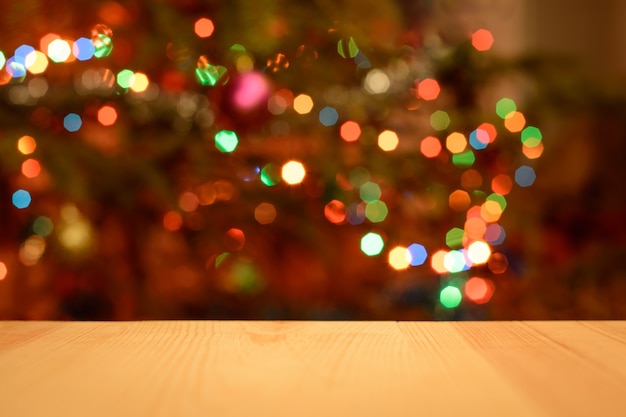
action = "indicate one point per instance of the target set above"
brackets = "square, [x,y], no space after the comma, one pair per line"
[241,368]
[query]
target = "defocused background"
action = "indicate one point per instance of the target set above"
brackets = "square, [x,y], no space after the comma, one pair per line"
[370,159]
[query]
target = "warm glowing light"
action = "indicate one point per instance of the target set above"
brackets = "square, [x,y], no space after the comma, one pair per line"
[482,40]
[188,201]
[107,115]
[478,252]
[459,200]
[475,228]
[252,90]
[350,131]
[293,172]
[140,83]
[436,262]
[46,40]
[514,121]
[36,62]
[430,147]
[59,50]
[456,142]
[172,221]
[532,152]
[203,27]
[428,89]
[265,213]
[479,290]
[303,104]
[3,271]
[399,258]
[388,140]
[26,145]
[376,82]
[490,211]
[501,184]
[335,211]
[31,168]
[490,130]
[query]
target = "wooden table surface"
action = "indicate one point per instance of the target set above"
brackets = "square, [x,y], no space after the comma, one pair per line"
[238,368]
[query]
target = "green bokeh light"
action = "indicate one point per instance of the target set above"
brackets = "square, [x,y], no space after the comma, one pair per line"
[464,159]
[372,244]
[504,107]
[226,141]
[500,199]
[125,78]
[347,48]
[440,120]
[454,237]
[376,211]
[270,175]
[450,297]
[370,191]
[103,45]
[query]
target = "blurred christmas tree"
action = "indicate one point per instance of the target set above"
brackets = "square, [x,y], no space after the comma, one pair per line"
[198,159]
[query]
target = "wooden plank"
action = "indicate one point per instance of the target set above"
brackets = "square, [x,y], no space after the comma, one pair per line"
[234,368]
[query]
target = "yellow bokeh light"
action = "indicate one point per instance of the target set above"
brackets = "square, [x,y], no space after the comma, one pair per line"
[26,145]
[293,172]
[437,262]
[399,258]
[456,142]
[490,211]
[140,83]
[59,50]
[515,122]
[478,252]
[388,140]
[36,62]
[303,104]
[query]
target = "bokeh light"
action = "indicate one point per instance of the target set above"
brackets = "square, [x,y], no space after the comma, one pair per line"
[376,211]
[440,120]
[525,176]
[372,244]
[430,147]
[514,121]
[478,252]
[437,262]
[328,116]
[350,131]
[376,82]
[3,271]
[459,200]
[83,49]
[417,254]
[31,168]
[107,115]
[226,141]
[479,290]
[504,107]
[303,104]
[59,50]
[203,27]
[388,140]
[26,145]
[482,40]
[335,211]
[172,221]
[398,258]
[265,213]
[293,172]
[21,199]
[450,297]
[428,89]
[456,142]
[36,62]
[72,122]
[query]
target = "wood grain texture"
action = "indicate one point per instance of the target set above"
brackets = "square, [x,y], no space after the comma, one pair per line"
[231,368]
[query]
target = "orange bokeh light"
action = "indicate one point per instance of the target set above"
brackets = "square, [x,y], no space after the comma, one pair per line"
[204,27]
[107,115]
[31,168]
[428,89]
[430,147]
[482,40]
[350,131]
